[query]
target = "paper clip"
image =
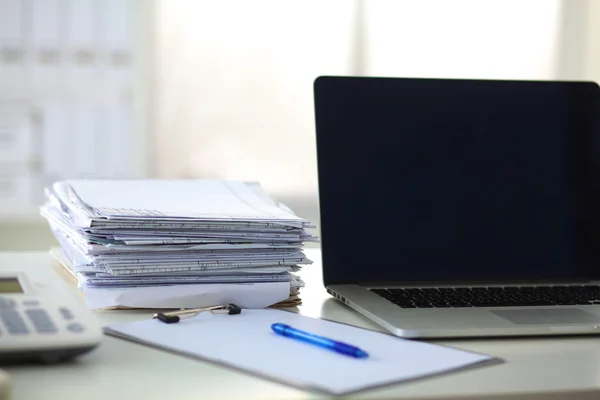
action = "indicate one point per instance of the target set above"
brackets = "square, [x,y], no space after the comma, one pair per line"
[175,316]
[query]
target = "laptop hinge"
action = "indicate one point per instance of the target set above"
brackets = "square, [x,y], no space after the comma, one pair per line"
[480,283]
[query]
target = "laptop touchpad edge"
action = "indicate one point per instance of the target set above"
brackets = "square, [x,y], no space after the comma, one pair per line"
[534,316]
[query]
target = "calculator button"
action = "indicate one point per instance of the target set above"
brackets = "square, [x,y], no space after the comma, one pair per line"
[41,321]
[30,303]
[13,322]
[66,313]
[7,303]
[75,327]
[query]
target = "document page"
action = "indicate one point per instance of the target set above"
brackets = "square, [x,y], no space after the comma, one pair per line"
[178,199]
[247,295]
[247,342]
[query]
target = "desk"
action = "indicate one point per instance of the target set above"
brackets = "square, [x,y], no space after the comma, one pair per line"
[554,368]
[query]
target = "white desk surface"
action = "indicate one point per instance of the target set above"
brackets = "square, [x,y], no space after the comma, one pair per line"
[551,368]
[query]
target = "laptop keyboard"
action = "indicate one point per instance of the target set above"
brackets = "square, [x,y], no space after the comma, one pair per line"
[509,296]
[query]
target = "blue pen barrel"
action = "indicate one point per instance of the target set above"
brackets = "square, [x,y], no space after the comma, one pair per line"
[286,330]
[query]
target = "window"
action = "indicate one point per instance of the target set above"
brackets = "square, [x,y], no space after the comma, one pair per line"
[234,79]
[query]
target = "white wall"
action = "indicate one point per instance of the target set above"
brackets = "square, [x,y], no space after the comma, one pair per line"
[234,86]
[505,39]
[591,61]
[233,93]
[234,83]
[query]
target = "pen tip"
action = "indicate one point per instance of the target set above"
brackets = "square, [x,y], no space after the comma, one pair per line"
[361,354]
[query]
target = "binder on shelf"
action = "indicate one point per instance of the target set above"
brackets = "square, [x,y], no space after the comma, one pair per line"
[46,50]
[12,51]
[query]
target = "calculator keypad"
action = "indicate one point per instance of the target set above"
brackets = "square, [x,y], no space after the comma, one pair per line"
[41,320]
[27,316]
[66,313]
[75,327]
[13,322]
[7,303]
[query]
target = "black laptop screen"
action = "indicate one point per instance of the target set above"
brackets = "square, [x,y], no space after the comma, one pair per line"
[457,180]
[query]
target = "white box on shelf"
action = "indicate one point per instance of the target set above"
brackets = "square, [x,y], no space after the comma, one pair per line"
[46,53]
[12,51]
[18,131]
[80,41]
[116,38]
[19,194]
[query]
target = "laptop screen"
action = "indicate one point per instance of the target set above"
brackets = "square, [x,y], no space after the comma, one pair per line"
[433,180]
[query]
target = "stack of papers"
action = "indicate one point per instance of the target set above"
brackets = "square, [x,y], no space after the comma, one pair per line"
[177,243]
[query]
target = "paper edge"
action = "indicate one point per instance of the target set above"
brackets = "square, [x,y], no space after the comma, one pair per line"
[301,385]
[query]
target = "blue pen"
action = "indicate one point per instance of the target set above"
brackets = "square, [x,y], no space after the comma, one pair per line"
[339,347]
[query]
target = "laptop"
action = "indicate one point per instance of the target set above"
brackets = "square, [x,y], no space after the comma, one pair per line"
[461,208]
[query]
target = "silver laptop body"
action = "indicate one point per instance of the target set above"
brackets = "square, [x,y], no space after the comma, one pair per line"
[461,208]
[471,321]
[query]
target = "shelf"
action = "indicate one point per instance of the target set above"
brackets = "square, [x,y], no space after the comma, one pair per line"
[21,215]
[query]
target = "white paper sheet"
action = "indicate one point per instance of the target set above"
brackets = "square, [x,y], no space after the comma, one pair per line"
[245,295]
[185,267]
[178,198]
[126,282]
[246,341]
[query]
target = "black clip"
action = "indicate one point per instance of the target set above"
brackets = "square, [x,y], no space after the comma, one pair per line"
[167,319]
[176,316]
[230,309]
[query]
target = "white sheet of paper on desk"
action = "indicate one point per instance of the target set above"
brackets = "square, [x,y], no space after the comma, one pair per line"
[246,342]
[246,295]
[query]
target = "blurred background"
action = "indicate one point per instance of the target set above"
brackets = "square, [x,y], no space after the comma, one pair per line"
[207,89]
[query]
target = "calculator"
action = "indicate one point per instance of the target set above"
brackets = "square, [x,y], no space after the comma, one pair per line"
[41,318]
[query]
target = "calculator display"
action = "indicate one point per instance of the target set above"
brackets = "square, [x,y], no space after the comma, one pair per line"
[10,285]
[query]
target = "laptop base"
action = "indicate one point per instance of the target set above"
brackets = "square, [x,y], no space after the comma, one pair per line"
[469,322]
